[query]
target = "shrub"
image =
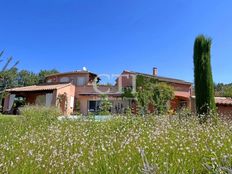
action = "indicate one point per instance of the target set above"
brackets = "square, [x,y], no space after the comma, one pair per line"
[162,94]
[127,111]
[105,106]
[40,114]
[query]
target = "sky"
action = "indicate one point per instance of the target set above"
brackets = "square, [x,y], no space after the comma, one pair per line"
[109,36]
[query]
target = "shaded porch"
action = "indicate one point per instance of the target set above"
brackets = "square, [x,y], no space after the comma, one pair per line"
[14,100]
[53,95]
[180,102]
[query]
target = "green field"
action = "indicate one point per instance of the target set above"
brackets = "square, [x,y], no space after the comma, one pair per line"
[4,118]
[38,143]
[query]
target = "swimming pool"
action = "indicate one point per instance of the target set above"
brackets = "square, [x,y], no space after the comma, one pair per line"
[86,118]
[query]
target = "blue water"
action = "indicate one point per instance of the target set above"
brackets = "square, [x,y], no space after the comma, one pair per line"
[93,118]
[102,117]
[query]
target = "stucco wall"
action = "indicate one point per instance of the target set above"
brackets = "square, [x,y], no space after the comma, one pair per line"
[84,101]
[181,91]
[225,111]
[30,97]
[70,92]
[90,89]
[72,78]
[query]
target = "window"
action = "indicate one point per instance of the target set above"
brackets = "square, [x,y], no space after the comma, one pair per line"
[64,79]
[81,81]
[183,104]
[40,100]
[94,106]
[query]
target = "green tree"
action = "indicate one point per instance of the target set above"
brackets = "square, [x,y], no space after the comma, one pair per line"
[204,87]
[27,78]
[8,75]
[43,73]
[162,94]
[150,91]
[144,94]
[8,79]
[227,92]
[218,89]
[223,90]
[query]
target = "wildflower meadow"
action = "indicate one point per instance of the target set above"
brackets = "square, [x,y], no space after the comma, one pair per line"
[38,143]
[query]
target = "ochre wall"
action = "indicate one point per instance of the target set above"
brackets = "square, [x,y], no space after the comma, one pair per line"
[70,91]
[181,91]
[225,111]
[72,77]
[84,102]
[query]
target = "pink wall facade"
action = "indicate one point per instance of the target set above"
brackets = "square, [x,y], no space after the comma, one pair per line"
[71,78]
[68,107]
[90,91]
[225,111]
[182,91]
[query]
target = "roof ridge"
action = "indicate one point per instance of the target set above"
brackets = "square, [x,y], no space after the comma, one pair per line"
[150,75]
[39,87]
[70,72]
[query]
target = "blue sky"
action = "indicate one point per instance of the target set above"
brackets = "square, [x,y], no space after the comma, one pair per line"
[108,36]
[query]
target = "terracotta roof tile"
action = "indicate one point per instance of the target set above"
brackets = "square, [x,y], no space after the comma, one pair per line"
[223,100]
[72,72]
[44,87]
[163,79]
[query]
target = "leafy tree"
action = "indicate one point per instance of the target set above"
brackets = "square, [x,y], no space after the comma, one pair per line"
[8,79]
[223,90]
[7,75]
[227,91]
[7,63]
[162,94]
[144,94]
[150,91]
[43,73]
[204,87]
[27,78]
[219,89]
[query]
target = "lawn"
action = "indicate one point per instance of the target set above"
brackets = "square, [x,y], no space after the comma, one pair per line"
[4,118]
[38,143]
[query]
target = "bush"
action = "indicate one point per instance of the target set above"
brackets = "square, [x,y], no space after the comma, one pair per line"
[105,106]
[162,94]
[40,114]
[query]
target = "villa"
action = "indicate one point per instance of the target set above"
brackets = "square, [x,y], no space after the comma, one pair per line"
[80,91]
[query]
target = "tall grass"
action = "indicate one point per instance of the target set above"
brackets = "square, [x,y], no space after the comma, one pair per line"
[122,145]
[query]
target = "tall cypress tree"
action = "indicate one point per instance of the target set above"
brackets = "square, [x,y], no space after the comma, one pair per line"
[204,87]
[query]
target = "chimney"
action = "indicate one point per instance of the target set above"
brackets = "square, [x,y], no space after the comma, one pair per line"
[155,71]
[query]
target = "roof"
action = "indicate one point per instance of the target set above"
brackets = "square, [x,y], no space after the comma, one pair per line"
[160,78]
[43,87]
[223,101]
[72,72]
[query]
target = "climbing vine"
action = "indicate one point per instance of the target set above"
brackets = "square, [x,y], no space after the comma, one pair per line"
[63,98]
